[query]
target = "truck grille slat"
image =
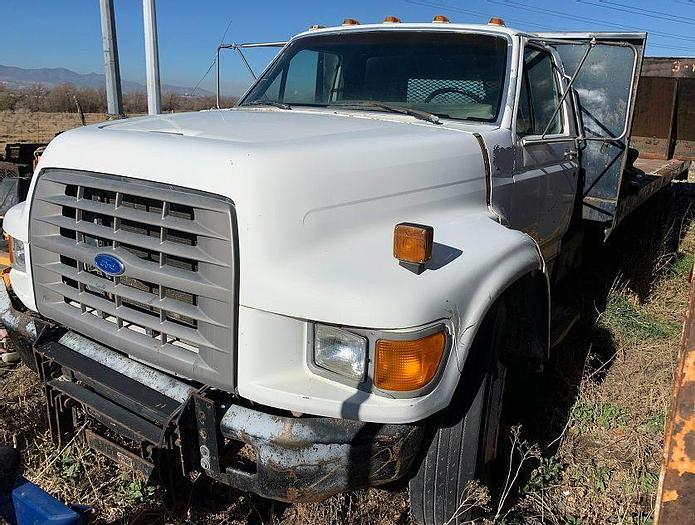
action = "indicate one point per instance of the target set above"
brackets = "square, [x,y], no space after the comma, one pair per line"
[162,192]
[140,240]
[132,293]
[134,214]
[175,303]
[176,278]
[106,306]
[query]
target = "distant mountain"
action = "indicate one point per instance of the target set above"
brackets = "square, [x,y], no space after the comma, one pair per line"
[18,77]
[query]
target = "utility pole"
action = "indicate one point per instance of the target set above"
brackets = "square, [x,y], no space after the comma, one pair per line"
[112,72]
[154,96]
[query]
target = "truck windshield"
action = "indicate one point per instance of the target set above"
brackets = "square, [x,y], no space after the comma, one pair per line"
[452,75]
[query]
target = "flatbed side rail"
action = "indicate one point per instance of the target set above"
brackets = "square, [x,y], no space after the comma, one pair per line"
[675,502]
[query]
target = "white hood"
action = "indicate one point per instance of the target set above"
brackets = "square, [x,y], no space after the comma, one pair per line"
[317,195]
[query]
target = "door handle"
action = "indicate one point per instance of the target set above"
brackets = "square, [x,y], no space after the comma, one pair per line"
[570,154]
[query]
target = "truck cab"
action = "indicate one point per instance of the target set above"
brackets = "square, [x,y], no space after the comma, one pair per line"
[323,288]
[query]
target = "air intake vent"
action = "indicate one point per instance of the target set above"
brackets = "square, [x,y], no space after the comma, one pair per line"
[173,302]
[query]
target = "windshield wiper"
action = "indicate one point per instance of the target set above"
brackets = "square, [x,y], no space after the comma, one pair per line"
[418,114]
[261,102]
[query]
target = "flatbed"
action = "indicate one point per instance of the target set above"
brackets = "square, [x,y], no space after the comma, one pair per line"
[645,178]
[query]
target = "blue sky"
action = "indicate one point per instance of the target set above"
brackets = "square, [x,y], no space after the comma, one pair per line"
[66,33]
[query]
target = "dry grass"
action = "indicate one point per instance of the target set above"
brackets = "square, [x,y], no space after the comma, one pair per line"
[27,126]
[606,466]
[591,449]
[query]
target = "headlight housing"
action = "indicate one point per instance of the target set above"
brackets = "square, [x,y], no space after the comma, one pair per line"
[397,363]
[17,254]
[340,352]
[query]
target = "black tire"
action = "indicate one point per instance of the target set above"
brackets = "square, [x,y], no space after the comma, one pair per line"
[465,436]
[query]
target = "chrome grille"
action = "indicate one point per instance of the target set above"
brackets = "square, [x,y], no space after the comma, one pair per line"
[175,303]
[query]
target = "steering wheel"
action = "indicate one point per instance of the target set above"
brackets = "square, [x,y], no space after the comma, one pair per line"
[475,97]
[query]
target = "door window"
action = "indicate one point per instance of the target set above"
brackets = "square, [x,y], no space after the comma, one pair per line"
[539,96]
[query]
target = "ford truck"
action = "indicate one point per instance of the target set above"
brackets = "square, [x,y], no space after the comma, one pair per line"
[327,286]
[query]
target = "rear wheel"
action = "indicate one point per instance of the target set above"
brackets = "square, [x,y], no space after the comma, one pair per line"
[465,439]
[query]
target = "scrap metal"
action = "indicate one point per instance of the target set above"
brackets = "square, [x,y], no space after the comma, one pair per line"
[676,494]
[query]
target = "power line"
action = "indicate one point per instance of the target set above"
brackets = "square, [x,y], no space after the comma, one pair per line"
[650,12]
[577,18]
[668,46]
[624,8]
[213,60]
[535,26]
[455,9]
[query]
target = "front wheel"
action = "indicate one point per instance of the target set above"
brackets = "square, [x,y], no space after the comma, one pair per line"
[466,434]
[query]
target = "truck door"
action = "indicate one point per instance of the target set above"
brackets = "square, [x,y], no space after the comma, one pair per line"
[602,73]
[545,167]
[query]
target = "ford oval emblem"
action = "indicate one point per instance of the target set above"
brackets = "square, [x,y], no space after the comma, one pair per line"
[109,264]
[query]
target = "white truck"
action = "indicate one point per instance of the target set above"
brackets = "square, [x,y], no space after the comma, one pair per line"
[324,287]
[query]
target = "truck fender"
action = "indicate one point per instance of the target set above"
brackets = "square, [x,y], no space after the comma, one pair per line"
[515,277]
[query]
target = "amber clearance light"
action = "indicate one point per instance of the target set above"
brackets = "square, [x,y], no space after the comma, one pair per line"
[412,245]
[408,365]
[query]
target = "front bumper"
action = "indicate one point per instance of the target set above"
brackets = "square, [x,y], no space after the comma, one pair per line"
[166,427]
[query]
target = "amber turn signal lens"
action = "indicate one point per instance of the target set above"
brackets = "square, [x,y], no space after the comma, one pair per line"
[351,22]
[10,249]
[496,21]
[408,365]
[412,242]
[392,20]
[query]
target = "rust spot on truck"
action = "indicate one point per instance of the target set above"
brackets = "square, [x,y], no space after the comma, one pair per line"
[503,158]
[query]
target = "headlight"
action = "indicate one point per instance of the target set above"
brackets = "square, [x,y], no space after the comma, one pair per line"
[17,257]
[340,351]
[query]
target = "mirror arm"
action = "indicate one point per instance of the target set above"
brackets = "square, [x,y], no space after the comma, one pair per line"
[568,88]
[239,48]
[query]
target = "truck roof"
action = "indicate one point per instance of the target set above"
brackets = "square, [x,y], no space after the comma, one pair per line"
[422,26]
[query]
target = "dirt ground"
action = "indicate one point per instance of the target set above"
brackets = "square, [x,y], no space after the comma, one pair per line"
[27,126]
[588,448]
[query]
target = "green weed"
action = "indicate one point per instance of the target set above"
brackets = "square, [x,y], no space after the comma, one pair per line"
[601,478]
[626,319]
[647,482]
[656,423]
[605,415]
[682,264]
[136,490]
[548,472]
[69,465]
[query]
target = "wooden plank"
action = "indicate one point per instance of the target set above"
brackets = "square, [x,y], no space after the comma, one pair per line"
[652,126]
[668,67]
[685,120]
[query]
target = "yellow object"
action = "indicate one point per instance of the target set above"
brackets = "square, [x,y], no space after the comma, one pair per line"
[412,242]
[9,257]
[408,365]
